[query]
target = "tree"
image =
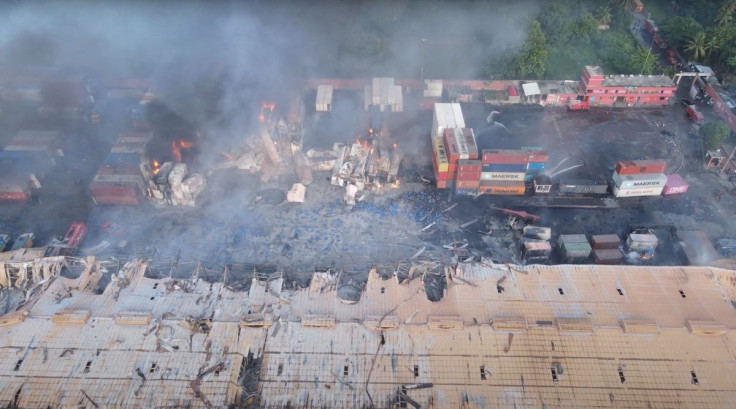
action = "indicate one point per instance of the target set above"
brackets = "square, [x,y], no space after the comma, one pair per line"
[626,4]
[532,60]
[603,14]
[714,133]
[642,61]
[676,31]
[696,46]
[725,13]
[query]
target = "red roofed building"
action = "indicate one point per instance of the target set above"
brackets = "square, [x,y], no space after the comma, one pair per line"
[632,90]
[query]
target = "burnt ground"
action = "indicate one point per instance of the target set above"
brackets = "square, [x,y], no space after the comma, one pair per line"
[233,229]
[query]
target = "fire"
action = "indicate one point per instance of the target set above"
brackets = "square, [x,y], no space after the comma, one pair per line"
[266,110]
[155,167]
[396,184]
[177,146]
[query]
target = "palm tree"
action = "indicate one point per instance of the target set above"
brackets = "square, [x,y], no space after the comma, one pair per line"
[725,13]
[603,15]
[712,43]
[626,4]
[696,46]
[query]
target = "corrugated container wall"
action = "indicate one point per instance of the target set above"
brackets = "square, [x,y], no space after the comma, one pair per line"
[633,167]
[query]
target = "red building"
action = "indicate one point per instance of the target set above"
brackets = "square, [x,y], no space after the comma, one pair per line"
[629,90]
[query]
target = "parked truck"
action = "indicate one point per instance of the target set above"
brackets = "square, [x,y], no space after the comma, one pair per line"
[694,114]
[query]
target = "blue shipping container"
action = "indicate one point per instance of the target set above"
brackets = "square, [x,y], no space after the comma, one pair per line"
[503,167]
[466,192]
[536,166]
[116,158]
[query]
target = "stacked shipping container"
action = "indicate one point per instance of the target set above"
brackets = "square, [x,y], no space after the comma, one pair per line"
[120,179]
[639,178]
[29,155]
[505,171]
[447,116]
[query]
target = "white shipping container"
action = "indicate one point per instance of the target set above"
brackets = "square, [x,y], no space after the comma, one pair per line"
[650,180]
[462,146]
[641,241]
[446,116]
[652,191]
[177,175]
[510,176]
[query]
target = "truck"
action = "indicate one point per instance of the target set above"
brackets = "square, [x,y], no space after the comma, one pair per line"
[578,105]
[694,114]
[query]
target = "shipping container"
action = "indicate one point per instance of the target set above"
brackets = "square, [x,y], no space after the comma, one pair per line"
[697,248]
[500,167]
[537,232]
[446,116]
[574,250]
[120,158]
[583,187]
[502,187]
[14,192]
[633,167]
[637,192]
[607,256]
[47,136]
[466,192]
[115,193]
[516,177]
[542,184]
[23,241]
[471,143]
[536,165]
[727,247]
[467,184]
[497,156]
[572,238]
[642,242]
[535,252]
[440,155]
[469,165]
[138,148]
[638,181]
[455,142]
[605,241]
[445,184]
[468,176]
[134,137]
[675,185]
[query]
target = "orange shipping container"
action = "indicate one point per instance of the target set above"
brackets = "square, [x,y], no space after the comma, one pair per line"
[468,176]
[634,167]
[501,187]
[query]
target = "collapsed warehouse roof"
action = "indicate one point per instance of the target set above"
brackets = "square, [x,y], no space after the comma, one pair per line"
[533,336]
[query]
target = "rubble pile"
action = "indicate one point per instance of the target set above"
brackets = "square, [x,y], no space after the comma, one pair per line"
[172,186]
[363,166]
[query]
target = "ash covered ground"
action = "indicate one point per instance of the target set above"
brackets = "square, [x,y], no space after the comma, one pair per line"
[242,222]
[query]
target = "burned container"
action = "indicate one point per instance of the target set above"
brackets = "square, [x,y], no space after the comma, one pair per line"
[535,252]
[607,256]
[23,241]
[597,186]
[644,244]
[537,232]
[605,241]
[696,248]
[633,167]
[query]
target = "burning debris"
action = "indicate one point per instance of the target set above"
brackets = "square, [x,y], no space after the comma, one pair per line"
[366,166]
[171,185]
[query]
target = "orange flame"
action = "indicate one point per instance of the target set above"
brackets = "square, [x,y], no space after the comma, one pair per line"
[155,167]
[177,146]
[266,110]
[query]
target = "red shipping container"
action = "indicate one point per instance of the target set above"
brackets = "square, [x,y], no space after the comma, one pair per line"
[538,156]
[439,175]
[468,176]
[441,184]
[675,184]
[635,167]
[115,193]
[453,152]
[496,156]
[467,184]
[469,165]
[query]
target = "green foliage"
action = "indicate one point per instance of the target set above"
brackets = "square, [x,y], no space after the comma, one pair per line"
[696,46]
[714,133]
[677,31]
[532,60]
[603,14]
[642,62]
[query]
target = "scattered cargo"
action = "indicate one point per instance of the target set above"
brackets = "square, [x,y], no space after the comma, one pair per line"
[675,185]
[633,167]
